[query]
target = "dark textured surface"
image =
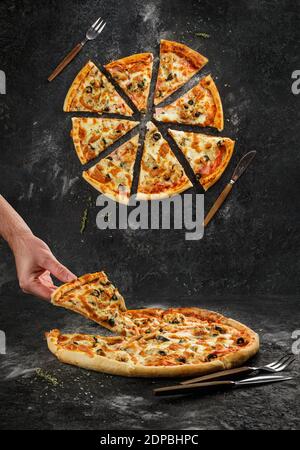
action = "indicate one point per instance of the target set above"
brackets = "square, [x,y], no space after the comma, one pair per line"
[247,265]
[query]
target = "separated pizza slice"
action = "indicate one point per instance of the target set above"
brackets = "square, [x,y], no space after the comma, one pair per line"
[91,91]
[95,297]
[92,136]
[161,174]
[178,63]
[134,74]
[113,175]
[208,155]
[200,106]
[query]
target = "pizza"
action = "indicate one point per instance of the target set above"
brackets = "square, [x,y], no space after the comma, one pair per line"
[208,155]
[96,298]
[133,74]
[152,342]
[113,175]
[200,106]
[178,63]
[91,136]
[161,174]
[92,92]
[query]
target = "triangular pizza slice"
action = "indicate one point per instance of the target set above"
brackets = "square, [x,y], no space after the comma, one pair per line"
[92,135]
[161,174]
[178,63]
[134,74]
[207,155]
[200,106]
[92,92]
[113,175]
[96,298]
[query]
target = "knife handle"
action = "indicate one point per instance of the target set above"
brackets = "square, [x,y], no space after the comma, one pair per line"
[218,203]
[219,375]
[66,61]
[202,388]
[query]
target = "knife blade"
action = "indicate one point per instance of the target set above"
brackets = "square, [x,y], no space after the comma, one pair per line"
[239,170]
[216,385]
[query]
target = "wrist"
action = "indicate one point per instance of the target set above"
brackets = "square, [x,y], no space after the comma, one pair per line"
[16,238]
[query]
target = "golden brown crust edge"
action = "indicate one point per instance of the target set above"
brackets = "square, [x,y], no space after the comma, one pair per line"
[164,195]
[76,140]
[219,116]
[194,57]
[75,85]
[211,179]
[137,57]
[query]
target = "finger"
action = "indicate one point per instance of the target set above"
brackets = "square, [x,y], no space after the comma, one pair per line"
[59,271]
[39,290]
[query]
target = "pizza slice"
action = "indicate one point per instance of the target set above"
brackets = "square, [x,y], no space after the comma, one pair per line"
[178,63]
[200,106]
[208,155]
[134,74]
[91,136]
[95,297]
[113,175]
[161,174]
[189,341]
[92,92]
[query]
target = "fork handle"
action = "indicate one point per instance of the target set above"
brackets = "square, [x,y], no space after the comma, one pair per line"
[66,61]
[219,375]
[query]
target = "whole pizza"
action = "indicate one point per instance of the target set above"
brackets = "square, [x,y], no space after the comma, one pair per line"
[160,173]
[177,342]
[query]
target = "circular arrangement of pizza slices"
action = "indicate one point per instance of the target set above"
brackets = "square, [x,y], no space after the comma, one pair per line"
[177,342]
[161,174]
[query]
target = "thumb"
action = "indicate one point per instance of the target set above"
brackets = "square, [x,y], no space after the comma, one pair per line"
[59,271]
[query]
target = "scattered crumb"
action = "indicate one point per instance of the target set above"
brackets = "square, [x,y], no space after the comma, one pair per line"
[203,35]
[47,376]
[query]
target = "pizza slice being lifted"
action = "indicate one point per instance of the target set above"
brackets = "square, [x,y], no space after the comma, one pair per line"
[161,174]
[178,63]
[200,106]
[113,175]
[92,136]
[96,298]
[92,92]
[134,74]
[207,155]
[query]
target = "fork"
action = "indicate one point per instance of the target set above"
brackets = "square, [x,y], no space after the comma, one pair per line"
[91,34]
[274,367]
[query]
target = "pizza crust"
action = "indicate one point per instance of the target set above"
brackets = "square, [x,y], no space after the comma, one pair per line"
[211,179]
[75,85]
[164,195]
[219,116]
[123,199]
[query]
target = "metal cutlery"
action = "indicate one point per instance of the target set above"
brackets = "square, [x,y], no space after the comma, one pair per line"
[91,34]
[216,385]
[240,169]
[274,367]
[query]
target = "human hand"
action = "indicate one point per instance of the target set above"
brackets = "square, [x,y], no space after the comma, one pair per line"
[35,264]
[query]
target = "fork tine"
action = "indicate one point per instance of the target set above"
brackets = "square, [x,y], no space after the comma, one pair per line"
[99,25]
[286,364]
[96,23]
[280,360]
[101,29]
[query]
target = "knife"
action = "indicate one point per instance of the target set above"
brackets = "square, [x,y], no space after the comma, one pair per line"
[216,385]
[240,169]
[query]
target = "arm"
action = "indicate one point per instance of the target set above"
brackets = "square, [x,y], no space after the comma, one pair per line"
[34,261]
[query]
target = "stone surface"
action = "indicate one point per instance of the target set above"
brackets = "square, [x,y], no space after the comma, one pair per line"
[247,264]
